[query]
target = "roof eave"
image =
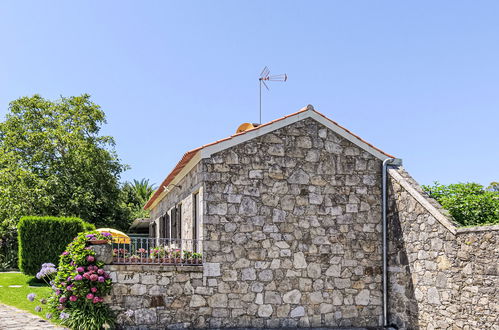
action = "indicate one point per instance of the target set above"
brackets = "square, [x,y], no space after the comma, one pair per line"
[191,158]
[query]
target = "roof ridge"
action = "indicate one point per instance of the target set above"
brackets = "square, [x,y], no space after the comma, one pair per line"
[191,153]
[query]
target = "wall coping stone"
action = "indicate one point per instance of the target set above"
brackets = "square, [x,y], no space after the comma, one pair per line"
[474,229]
[154,268]
[422,200]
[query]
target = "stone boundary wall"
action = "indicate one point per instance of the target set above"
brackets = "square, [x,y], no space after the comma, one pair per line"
[475,280]
[153,296]
[441,277]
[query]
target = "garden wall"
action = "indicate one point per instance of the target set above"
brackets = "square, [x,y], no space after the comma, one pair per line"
[440,277]
[153,296]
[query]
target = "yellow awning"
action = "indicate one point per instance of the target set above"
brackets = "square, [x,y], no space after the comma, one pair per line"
[118,236]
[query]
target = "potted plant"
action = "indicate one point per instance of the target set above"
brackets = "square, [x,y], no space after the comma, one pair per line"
[176,256]
[168,256]
[197,258]
[188,257]
[96,238]
[157,254]
[142,253]
[120,255]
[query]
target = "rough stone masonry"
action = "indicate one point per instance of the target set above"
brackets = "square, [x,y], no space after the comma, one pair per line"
[292,238]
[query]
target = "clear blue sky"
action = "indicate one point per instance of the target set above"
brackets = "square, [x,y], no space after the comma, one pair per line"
[419,80]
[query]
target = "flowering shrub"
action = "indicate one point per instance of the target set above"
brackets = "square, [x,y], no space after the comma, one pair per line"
[79,286]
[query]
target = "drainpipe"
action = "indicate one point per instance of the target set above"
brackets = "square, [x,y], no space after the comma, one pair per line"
[384,207]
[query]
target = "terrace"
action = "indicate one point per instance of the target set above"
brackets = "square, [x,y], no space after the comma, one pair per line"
[163,251]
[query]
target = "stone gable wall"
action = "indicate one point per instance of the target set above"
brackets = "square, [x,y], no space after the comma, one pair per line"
[439,279]
[293,222]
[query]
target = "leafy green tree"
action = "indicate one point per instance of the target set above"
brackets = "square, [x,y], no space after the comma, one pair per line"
[136,194]
[494,186]
[55,162]
[469,203]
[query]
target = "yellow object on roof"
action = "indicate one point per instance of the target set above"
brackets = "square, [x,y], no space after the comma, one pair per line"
[118,236]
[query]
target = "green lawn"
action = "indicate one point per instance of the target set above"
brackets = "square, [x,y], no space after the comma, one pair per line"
[17,296]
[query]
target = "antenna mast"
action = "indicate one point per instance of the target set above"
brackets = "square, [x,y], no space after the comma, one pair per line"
[265,76]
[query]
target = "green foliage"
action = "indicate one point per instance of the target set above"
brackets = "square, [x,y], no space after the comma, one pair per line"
[88,226]
[42,239]
[8,249]
[80,284]
[136,195]
[494,186]
[89,318]
[469,203]
[55,162]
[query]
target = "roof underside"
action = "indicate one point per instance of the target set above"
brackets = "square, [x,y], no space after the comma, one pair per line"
[307,112]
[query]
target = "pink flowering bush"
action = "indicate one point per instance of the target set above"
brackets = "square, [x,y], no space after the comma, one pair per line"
[79,287]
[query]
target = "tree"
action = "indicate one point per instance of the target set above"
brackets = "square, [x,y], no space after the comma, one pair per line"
[55,162]
[494,186]
[469,203]
[136,194]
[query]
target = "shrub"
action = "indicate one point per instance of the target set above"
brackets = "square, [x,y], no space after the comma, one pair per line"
[79,286]
[42,239]
[470,204]
[87,226]
[8,249]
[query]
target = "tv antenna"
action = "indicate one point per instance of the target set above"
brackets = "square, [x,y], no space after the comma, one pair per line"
[265,76]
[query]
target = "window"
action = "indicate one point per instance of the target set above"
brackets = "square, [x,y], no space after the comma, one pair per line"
[176,222]
[195,215]
[164,226]
[152,229]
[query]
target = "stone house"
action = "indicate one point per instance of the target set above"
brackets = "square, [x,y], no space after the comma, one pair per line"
[290,215]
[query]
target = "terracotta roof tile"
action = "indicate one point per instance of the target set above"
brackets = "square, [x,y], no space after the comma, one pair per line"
[190,154]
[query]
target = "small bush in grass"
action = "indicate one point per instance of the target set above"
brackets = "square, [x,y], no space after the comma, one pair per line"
[42,239]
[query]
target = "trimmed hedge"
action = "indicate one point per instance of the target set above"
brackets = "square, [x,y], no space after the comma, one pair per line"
[43,239]
[87,226]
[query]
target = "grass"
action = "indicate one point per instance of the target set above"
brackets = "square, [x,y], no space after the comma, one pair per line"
[17,296]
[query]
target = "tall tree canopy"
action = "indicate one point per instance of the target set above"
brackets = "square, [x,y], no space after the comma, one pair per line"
[55,162]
